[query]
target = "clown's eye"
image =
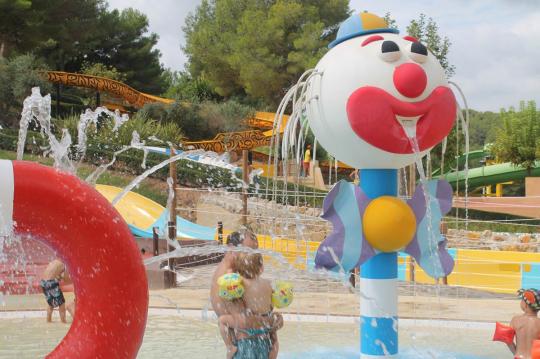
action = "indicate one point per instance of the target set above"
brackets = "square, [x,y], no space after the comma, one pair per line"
[390,51]
[419,52]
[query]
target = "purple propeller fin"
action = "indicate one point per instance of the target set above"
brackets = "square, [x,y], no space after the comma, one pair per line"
[428,246]
[345,248]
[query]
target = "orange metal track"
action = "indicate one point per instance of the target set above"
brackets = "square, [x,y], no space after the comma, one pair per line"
[222,142]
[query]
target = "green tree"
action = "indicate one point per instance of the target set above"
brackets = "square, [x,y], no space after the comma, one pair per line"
[259,47]
[102,70]
[483,127]
[228,116]
[426,31]
[17,76]
[518,141]
[70,33]
[201,120]
[89,97]
[390,21]
[182,86]
[61,31]
[123,42]
[13,23]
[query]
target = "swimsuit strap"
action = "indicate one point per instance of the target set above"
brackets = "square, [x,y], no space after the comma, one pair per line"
[253,332]
[264,315]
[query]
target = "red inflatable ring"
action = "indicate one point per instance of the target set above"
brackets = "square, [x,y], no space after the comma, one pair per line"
[96,245]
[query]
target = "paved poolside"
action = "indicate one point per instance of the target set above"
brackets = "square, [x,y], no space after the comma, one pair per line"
[323,296]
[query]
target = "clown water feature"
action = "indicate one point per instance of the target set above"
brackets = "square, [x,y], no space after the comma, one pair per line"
[377,101]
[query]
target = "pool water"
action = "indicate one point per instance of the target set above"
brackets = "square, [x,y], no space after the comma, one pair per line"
[174,336]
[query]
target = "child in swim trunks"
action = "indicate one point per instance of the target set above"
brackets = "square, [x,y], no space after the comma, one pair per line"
[254,337]
[525,327]
[50,283]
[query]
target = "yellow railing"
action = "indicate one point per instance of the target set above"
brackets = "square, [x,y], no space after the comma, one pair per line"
[487,270]
[493,271]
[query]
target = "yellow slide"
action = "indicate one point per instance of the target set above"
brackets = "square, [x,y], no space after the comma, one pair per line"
[142,215]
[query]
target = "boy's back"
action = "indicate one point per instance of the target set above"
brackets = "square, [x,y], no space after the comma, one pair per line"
[54,270]
[527,329]
[258,296]
[258,291]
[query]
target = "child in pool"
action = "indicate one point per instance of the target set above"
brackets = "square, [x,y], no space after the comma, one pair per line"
[527,325]
[50,284]
[254,336]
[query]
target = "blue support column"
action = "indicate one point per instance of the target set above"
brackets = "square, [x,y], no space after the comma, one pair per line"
[378,281]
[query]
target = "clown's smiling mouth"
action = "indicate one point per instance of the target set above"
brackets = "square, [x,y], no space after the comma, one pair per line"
[408,124]
[387,123]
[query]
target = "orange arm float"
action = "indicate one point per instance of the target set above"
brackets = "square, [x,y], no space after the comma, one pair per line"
[535,351]
[504,333]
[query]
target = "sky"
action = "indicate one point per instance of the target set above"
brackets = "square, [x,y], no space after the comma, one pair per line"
[495,43]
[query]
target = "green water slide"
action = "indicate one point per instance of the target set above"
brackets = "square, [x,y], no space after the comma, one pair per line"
[490,175]
[473,155]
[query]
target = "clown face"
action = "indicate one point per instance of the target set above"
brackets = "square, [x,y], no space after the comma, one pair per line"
[374,94]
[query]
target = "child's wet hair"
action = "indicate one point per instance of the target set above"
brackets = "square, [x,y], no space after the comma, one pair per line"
[249,266]
[236,238]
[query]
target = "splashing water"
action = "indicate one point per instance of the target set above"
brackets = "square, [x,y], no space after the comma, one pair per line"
[465,128]
[148,172]
[32,106]
[294,132]
[140,145]
[433,233]
[89,117]
[38,108]
[170,204]
[135,144]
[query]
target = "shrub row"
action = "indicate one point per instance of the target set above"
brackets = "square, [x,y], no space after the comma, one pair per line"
[190,173]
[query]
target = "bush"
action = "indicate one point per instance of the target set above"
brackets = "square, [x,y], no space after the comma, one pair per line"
[201,121]
[17,76]
[145,127]
[186,115]
[190,173]
[183,87]
[34,141]
[226,116]
[102,70]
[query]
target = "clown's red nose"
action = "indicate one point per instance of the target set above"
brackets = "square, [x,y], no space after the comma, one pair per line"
[410,79]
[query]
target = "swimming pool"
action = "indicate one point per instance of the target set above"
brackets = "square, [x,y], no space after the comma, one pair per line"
[170,334]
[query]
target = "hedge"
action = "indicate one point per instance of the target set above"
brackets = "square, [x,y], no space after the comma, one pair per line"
[190,173]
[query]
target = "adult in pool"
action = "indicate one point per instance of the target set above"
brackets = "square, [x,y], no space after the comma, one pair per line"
[251,340]
[241,238]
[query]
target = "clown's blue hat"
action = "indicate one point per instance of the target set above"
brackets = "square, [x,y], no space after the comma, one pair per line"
[361,24]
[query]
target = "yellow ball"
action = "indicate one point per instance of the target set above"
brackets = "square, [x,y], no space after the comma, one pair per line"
[230,286]
[282,296]
[389,224]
